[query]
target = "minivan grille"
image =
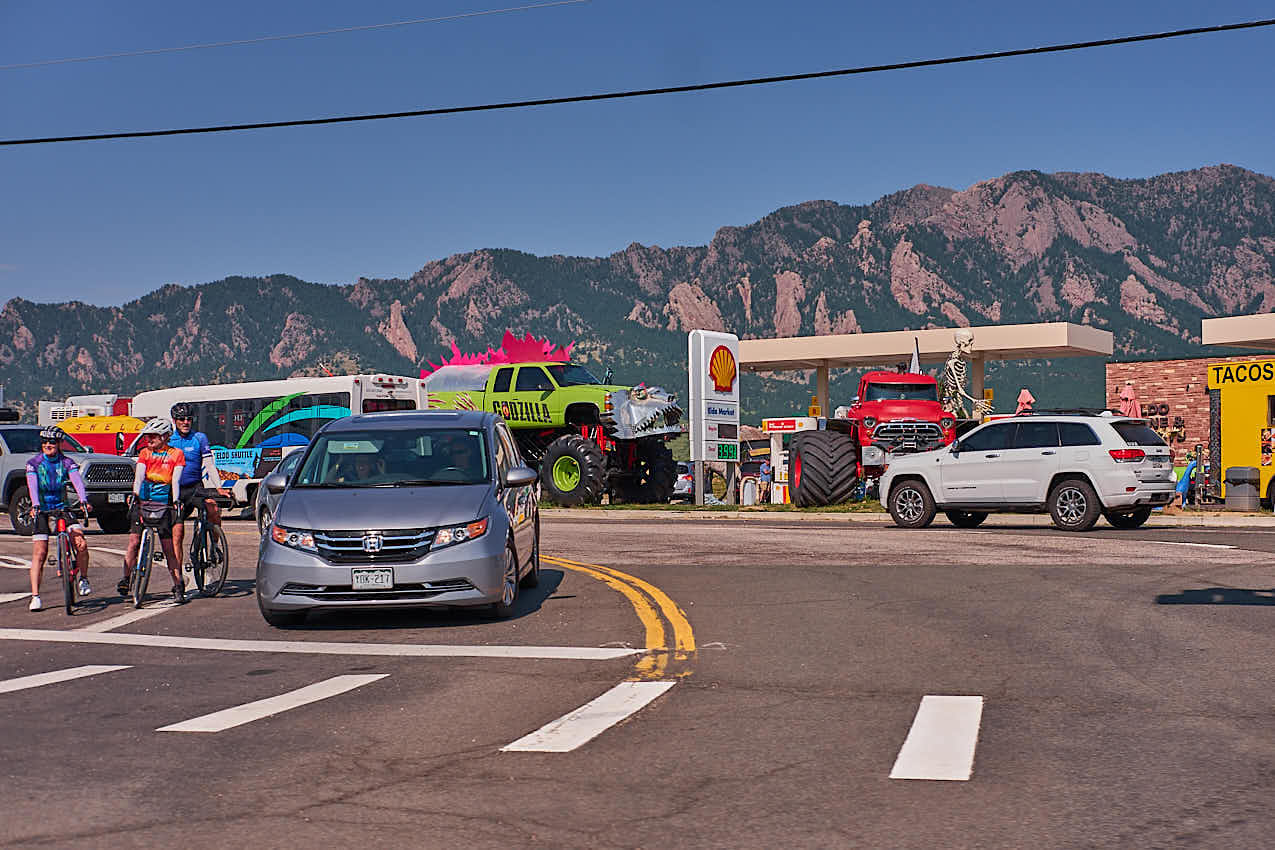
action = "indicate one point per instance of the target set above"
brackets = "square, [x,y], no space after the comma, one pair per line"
[900,432]
[396,546]
[401,592]
[109,473]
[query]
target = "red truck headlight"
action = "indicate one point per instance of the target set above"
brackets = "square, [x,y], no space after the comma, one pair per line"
[869,422]
[947,422]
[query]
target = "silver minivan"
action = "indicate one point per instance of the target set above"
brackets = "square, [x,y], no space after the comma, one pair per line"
[402,509]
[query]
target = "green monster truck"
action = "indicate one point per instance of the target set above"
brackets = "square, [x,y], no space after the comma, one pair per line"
[585,437]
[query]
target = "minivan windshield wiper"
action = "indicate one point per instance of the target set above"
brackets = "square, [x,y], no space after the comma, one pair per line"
[424,482]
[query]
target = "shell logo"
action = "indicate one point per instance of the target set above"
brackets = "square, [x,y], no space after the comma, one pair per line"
[721,368]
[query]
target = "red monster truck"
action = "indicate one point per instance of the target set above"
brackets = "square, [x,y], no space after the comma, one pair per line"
[894,413]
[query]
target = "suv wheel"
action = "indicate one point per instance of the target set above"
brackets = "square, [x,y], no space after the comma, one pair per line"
[911,505]
[20,513]
[1130,520]
[1074,505]
[965,519]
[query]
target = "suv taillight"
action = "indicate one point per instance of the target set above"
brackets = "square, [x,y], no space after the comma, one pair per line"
[1127,455]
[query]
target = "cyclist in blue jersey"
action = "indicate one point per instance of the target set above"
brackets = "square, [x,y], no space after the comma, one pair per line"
[199,469]
[48,475]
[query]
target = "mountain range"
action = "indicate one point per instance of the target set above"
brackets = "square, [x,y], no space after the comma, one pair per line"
[1143,258]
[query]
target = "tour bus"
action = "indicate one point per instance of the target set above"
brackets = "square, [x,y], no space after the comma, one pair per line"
[251,426]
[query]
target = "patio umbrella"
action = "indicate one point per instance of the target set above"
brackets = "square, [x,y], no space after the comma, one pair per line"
[1129,401]
[1025,401]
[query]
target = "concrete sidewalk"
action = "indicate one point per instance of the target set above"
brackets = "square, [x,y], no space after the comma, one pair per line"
[1188,519]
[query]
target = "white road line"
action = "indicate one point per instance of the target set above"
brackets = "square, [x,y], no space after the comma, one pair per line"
[589,720]
[108,550]
[14,563]
[12,597]
[130,617]
[941,742]
[1198,545]
[297,647]
[10,685]
[229,718]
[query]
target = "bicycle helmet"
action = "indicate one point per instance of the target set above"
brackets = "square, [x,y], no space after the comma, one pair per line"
[160,426]
[52,432]
[182,410]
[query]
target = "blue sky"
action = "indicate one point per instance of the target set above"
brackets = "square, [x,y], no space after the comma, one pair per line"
[106,222]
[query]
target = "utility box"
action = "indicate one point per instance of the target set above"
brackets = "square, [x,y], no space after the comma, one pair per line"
[1242,488]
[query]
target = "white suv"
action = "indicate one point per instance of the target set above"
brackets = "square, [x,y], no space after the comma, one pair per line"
[1077,467]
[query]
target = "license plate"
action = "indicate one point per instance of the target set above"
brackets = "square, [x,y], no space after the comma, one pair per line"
[382,579]
[114,498]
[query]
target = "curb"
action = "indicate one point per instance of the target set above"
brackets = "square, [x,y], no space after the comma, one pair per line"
[1203,520]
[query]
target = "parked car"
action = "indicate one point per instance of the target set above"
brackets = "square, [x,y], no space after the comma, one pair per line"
[1076,467]
[264,507]
[405,509]
[684,485]
[107,479]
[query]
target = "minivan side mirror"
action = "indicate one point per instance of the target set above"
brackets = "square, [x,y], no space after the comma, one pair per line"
[520,476]
[275,483]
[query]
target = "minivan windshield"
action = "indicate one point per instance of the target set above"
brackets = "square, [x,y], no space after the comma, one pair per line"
[902,392]
[402,457]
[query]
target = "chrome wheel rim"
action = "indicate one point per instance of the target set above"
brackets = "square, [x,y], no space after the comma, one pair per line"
[510,585]
[1072,505]
[909,504]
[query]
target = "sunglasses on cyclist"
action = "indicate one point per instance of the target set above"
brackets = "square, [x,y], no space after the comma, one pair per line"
[49,442]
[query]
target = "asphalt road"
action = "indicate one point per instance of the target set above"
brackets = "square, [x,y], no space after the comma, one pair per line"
[1125,680]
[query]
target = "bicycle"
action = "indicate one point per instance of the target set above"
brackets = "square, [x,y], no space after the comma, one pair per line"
[209,553]
[153,515]
[68,568]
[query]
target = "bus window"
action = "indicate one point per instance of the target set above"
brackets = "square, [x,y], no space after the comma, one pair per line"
[376,405]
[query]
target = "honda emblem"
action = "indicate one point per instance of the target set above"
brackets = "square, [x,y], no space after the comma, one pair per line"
[372,543]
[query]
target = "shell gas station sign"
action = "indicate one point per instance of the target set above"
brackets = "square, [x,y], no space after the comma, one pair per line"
[713,367]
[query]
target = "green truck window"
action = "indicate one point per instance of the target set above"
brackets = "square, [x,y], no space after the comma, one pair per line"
[503,377]
[533,379]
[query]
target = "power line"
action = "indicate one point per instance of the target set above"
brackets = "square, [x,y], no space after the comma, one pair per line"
[619,95]
[265,38]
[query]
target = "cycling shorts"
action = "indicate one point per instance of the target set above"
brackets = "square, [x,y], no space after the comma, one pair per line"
[43,529]
[188,501]
[135,525]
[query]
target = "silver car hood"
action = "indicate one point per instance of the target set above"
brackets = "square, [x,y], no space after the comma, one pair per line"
[360,509]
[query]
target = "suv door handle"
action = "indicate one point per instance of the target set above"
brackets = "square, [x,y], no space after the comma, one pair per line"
[991,455]
[1047,453]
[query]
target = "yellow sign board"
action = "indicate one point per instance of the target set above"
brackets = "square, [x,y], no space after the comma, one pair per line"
[1223,375]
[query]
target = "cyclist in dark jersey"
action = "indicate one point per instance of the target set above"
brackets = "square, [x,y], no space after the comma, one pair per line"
[48,475]
[199,468]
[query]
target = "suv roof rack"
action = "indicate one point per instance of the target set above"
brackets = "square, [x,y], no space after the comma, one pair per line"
[1074,411]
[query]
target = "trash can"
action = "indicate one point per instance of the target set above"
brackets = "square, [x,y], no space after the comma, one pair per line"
[1241,488]
[748,491]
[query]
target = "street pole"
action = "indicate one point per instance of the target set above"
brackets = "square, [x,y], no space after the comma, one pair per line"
[699,482]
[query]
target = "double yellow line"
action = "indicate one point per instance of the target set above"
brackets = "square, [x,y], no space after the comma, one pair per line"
[664,656]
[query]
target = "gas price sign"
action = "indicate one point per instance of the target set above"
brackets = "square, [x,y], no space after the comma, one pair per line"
[713,364]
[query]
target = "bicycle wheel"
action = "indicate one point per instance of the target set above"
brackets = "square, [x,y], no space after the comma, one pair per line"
[216,561]
[65,569]
[198,546]
[142,571]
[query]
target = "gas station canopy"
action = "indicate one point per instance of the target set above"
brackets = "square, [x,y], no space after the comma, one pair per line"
[991,342]
[1255,331]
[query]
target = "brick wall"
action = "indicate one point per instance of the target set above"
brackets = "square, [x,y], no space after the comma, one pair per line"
[1181,385]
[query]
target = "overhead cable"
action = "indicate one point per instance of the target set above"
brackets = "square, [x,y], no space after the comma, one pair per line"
[158,50]
[619,95]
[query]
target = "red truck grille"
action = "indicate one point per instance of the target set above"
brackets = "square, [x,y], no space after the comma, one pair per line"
[902,433]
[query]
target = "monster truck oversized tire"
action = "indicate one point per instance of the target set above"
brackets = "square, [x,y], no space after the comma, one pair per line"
[825,468]
[652,482]
[572,471]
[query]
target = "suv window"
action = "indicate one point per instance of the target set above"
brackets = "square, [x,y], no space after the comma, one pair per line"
[533,378]
[988,438]
[503,377]
[1077,434]
[1036,435]
[1137,434]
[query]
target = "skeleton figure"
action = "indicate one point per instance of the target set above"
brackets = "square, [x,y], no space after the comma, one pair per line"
[955,373]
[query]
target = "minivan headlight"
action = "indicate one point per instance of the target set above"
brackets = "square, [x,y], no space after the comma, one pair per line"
[460,533]
[293,537]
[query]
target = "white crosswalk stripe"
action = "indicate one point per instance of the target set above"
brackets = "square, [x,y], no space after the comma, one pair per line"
[229,718]
[590,720]
[940,745]
[12,597]
[52,678]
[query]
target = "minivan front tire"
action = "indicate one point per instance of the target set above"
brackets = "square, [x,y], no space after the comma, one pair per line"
[504,606]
